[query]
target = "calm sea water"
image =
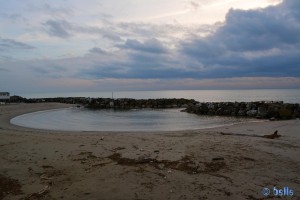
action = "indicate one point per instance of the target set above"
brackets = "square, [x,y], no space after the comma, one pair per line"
[286,95]
[80,119]
[145,120]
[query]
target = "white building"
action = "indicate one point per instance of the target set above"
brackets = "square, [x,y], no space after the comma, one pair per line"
[4,96]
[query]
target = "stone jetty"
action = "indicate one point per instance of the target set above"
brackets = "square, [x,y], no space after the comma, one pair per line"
[108,103]
[126,103]
[261,109]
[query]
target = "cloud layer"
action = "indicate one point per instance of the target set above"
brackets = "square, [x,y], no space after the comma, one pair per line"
[249,45]
[252,43]
[9,44]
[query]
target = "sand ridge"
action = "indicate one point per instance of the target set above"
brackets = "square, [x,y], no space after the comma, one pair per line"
[198,164]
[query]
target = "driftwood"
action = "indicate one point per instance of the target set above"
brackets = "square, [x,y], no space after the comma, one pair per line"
[272,136]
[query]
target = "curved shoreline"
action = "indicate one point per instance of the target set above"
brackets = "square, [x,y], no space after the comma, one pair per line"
[25,108]
[222,123]
[10,111]
[188,164]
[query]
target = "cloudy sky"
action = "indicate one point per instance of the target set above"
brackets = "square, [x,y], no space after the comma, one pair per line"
[105,45]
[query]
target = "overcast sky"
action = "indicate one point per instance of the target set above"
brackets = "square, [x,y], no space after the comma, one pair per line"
[107,45]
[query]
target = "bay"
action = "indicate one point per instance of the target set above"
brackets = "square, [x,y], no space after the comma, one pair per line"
[81,119]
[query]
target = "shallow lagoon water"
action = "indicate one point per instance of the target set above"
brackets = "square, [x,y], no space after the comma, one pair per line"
[81,119]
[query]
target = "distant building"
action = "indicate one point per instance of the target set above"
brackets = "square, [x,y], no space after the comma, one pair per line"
[4,96]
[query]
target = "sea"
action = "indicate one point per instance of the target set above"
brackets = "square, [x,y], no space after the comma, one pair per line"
[146,120]
[286,95]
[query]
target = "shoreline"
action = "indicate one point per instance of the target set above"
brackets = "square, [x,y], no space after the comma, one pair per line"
[189,164]
[60,106]
[24,108]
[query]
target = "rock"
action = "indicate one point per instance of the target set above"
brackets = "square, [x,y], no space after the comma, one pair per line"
[204,109]
[219,111]
[211,106]
[228,110]
[249,106]
[184,106]
[211,112]
[251,113]
[262,112]
[285,113]
[241,113]
[233,114]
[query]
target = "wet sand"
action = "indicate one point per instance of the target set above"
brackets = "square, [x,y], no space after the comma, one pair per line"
[231,162]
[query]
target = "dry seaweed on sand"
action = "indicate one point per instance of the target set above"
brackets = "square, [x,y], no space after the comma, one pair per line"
[185,164]
[40,194]
[9,186]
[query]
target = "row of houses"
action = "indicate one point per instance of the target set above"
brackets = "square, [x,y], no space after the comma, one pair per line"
[4,96]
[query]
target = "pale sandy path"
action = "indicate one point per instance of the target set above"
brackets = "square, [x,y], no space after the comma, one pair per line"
[170,165]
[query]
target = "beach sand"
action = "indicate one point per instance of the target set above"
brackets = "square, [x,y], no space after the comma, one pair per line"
[230,162]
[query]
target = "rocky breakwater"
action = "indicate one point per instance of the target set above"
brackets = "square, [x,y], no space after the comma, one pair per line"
[261,110]
[104,103]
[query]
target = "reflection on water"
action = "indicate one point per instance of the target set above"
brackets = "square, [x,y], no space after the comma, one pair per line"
[80,119]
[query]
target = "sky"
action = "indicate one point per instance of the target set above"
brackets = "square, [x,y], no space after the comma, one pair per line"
[107,45]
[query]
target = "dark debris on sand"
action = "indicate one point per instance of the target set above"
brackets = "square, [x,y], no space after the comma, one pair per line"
[185,164]
[9,186]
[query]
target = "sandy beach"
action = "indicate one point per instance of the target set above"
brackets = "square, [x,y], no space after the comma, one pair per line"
[231,162]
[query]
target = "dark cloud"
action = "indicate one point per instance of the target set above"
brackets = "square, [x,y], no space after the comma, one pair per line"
[109,34]
[48,70]
[97,50]
[65,29]
[9,44]
[251,43]
[149,46]
[263,42]
[4,70]
[138,64]
[293,6]
[58,28]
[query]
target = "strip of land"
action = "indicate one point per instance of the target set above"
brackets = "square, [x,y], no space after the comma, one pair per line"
[220,163]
